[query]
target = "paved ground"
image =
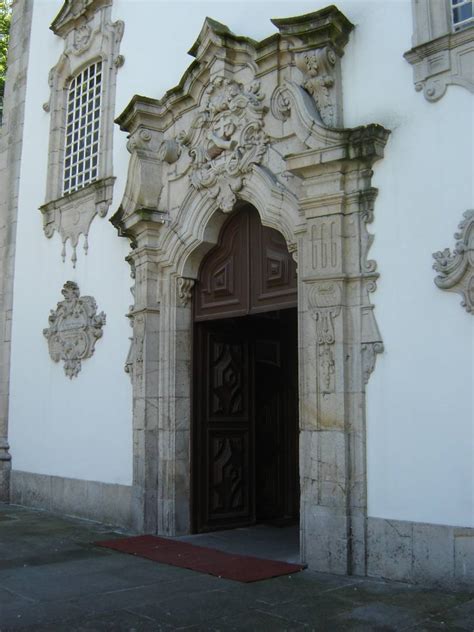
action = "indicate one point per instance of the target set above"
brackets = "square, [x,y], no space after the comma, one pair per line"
[53,578]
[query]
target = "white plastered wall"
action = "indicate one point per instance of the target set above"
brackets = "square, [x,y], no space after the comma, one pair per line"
[419,399]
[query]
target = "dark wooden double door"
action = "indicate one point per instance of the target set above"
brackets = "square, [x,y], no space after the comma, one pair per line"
[245,456]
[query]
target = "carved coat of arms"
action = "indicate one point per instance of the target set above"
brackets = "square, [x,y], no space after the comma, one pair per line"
[226,139]
[74,328]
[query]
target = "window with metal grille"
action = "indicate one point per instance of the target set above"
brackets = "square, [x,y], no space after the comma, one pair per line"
[81,151]
[461,12]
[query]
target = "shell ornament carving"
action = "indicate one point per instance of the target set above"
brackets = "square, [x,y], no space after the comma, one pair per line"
[74,328]
[226,139]
[456,269]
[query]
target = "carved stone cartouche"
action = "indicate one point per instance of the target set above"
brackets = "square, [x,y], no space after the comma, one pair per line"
[226,139]
[74,328]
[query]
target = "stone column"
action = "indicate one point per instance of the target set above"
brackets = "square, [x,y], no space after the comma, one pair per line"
[11,143]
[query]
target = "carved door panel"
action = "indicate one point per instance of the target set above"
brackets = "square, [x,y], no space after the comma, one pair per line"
[249,271]
[246,421]
[272,269]
[223,453]
[222,288]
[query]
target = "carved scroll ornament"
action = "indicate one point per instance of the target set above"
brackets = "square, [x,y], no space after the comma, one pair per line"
[325,301]
[74,328]
[318,68]
[226,139]
[456,269]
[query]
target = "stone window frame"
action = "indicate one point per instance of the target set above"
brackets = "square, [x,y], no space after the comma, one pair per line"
[441,55]
[89,36]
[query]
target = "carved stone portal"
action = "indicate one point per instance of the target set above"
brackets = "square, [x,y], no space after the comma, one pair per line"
[256,124]
[74,328]
[456,269]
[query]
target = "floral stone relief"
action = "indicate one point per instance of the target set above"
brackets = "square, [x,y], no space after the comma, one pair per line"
[74,328]
[456,269]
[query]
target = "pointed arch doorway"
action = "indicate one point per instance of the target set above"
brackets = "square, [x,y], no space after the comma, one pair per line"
[245,380]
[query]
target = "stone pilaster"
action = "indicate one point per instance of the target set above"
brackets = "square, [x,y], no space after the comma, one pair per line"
[11,144]
[336,315]
[143,368]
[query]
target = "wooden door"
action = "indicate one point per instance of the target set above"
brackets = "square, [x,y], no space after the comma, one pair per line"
[223,428]
[245,423]
[250,271]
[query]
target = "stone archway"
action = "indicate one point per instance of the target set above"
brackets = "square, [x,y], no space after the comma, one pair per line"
[257,123]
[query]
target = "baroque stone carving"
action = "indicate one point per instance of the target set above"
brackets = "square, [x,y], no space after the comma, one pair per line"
[73,12]
[185,290]
[211,145]
[89,35]
[318,79]
[74,328]
[72,217]
[226,139]
[325,301]
[456,269]
[82,36]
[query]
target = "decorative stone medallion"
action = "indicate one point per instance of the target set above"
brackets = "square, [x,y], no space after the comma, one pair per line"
[456,269]
[74,328]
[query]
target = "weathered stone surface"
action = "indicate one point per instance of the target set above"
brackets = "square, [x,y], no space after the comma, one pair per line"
[104,502]
[436,555]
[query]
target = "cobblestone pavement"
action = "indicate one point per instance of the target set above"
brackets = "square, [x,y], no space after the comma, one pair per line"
[53,578]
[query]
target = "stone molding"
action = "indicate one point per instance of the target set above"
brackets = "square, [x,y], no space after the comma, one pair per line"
[89,35]
[74,328]
[440,57]
[421,553]
[11,146]
[256,123]
[456,268]
[72,215]
[103,502]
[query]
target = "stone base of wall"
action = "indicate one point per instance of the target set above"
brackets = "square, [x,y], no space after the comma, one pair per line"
[103,502]
[430,554]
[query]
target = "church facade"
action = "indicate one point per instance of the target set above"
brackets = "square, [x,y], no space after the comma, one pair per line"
[240,290]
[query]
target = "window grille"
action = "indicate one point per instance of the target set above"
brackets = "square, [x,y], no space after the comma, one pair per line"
[461,12]
[81,152]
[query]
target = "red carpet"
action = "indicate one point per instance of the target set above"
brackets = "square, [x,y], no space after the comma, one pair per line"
[241,568]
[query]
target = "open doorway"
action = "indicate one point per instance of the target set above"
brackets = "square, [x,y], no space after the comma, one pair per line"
[245,414]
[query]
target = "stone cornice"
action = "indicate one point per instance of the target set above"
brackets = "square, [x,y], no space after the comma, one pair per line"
[73,12]
[449,41]
[326,32]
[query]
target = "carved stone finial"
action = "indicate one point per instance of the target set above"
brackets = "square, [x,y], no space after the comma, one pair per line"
[456,269]
[74,328]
